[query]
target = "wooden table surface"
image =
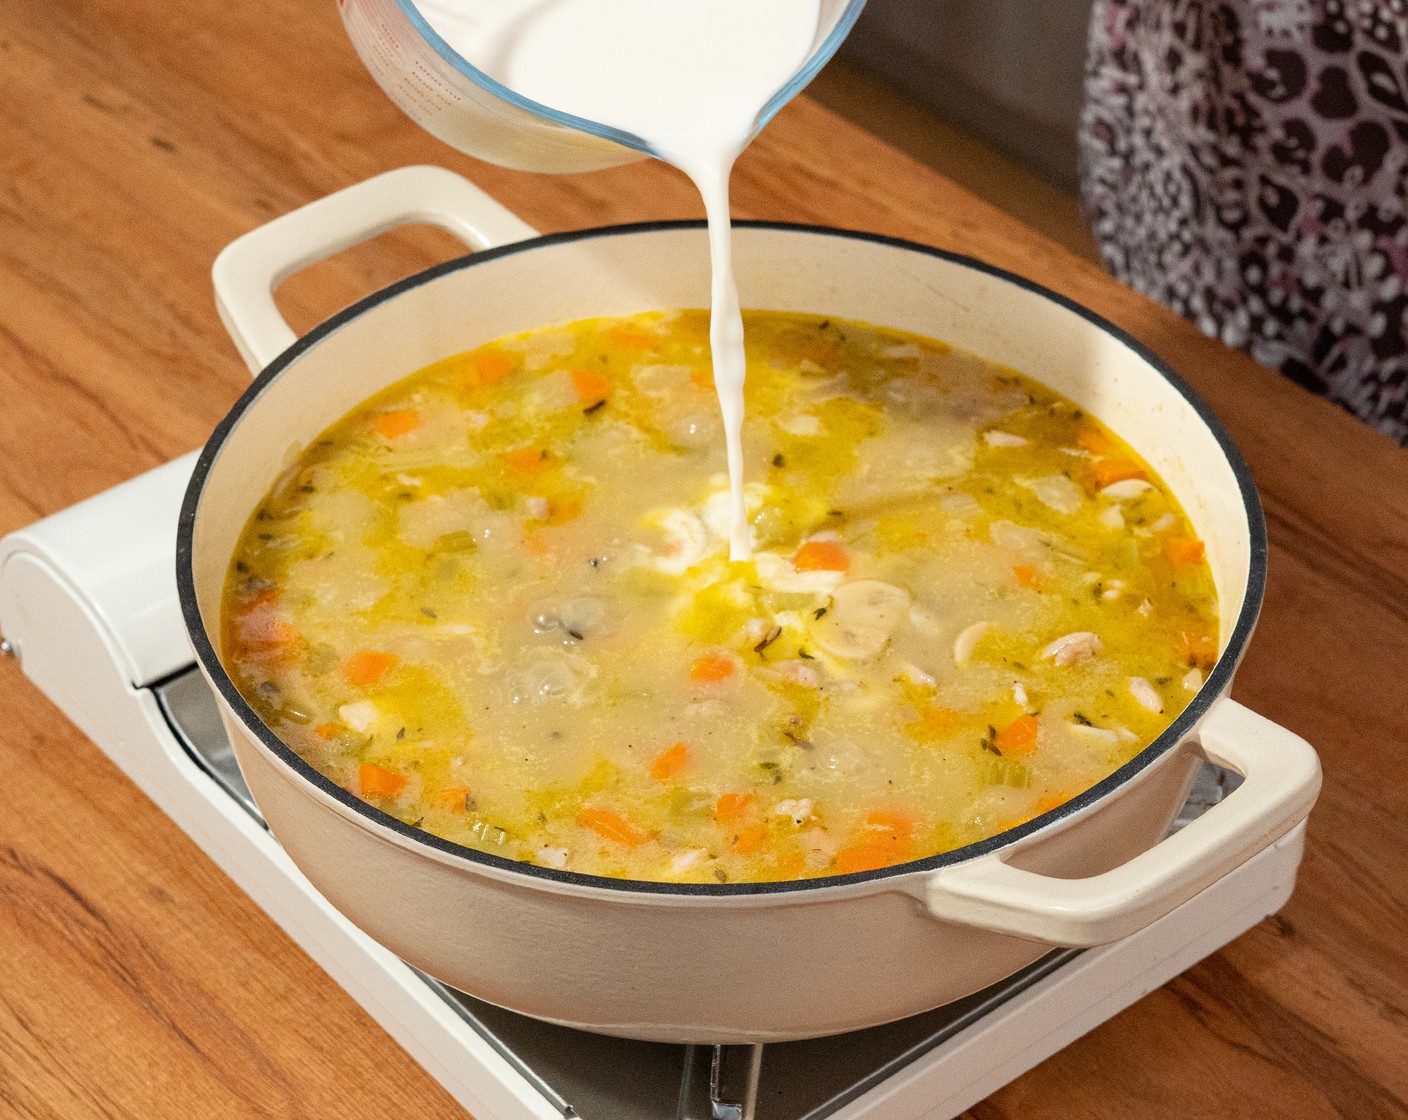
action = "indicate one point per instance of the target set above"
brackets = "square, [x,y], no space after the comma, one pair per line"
[136,139]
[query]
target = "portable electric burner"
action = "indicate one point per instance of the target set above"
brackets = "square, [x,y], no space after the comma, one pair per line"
[88,604]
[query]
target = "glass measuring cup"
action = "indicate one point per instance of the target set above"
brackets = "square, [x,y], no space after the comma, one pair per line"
[462,105]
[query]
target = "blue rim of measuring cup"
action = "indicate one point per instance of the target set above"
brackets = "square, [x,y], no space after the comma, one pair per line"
[808,70]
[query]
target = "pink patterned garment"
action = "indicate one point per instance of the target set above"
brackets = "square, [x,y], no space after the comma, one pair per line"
[1245,162]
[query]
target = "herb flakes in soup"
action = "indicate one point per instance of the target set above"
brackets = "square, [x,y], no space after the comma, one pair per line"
[495,601]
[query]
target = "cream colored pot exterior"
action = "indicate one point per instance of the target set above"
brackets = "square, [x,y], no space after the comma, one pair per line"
[737,962]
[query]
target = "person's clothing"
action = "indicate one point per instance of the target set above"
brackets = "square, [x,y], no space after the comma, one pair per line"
[1245,162]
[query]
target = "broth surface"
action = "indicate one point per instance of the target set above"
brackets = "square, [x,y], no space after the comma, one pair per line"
[496,601]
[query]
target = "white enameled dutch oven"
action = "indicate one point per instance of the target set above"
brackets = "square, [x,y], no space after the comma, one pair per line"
[732,962]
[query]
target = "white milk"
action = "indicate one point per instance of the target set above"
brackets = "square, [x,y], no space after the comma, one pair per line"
[689,77]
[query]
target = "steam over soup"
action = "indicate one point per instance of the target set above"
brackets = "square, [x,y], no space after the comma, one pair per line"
[495,601]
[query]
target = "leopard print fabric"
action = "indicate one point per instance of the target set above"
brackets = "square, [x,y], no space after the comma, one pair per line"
[1245,163]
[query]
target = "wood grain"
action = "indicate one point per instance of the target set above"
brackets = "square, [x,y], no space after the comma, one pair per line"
[138,138]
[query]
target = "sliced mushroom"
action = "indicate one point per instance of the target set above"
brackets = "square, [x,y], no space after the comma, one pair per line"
[861,617]
[924,622]
[967,641]
[914,673]
[1125,488]
[1146,695]
[1056,491]
[997,438]
[1112,518]
[1073,649]
[1093,736]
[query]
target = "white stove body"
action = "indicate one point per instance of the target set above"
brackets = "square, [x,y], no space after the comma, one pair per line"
[88,604]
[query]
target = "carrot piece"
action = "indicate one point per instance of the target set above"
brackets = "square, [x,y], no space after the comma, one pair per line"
[885,840]
[750,839]
[367,666]
[1109,471]
[1092,439]
[488,369]
[635,337]
[326,731]
[1197,650]
[526,460]
[1027,575]
[269,597]
[455,797]
[1043,805]
[1018,737]
[1184,550]
[789,865]
[590,386]
[670,762]
[393,425]
[378,781]
[864,858]
[712,667]
[731,806]
[559,513]
[890,823]
[821,556]
[934,723]
[613,826]
[825,352]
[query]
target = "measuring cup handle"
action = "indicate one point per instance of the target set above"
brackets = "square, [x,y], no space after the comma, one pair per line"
[1280,780]
[249,270]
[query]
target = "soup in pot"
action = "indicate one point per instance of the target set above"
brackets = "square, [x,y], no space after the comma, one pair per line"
[496,601]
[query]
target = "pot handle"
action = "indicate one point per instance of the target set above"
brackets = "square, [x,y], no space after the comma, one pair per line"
[250,268]
[1281,777]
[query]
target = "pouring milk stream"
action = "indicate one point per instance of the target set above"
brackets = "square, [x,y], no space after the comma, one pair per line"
[689,77]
